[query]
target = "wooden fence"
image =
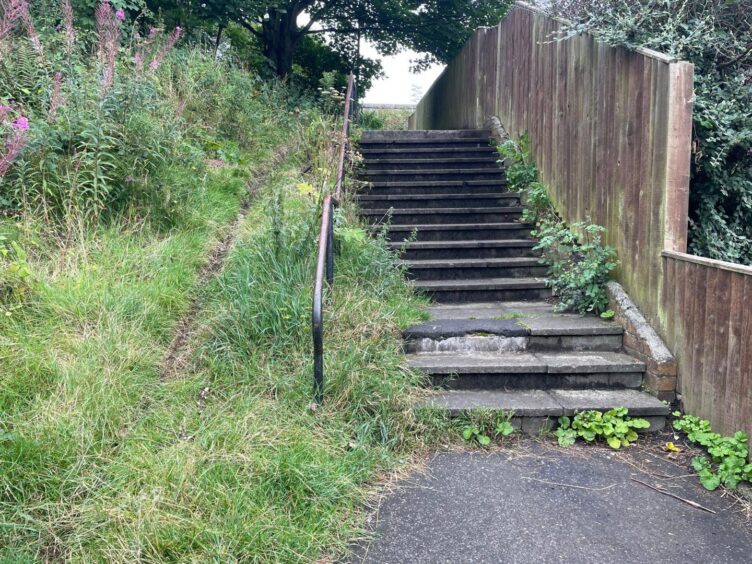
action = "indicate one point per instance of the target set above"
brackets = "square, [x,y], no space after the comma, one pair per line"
[610,130]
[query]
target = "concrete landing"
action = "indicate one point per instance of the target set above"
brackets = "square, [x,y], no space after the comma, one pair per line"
[497,507]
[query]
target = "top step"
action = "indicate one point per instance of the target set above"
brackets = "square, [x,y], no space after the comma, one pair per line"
[424,135]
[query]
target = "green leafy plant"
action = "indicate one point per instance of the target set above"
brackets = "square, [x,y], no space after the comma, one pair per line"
[727,464]
[613,426]
[608,315]
[482,425]
[580,264]
[15,272]
[471,433]
[521,171]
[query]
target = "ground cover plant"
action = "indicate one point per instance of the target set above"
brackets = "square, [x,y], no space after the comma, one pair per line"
[727,463]
[113,198]
[614,427]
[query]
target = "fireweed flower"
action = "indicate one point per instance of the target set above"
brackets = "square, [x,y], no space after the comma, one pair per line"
[14,145]
[120,14]
[108,35]
[166,48]
[70,32]
[21,123]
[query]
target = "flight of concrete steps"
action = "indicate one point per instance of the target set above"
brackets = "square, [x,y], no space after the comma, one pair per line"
[493,339]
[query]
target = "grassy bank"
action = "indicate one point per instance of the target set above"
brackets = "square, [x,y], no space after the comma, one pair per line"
[226,460]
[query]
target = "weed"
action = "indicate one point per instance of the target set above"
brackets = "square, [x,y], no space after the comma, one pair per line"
[727,464]
[613,426]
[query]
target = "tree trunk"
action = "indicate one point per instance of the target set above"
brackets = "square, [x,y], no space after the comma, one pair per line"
[281,37]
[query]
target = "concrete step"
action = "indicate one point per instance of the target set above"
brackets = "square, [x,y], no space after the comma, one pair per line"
[513,327]
[409,175]
[440,216]
[488,289]
[530,370]
[458,231]
[378,135]
[452,269]
[412,201]
[432,250]
[537,410]
[445,162]
[437,187]
[425,139]
[377,151]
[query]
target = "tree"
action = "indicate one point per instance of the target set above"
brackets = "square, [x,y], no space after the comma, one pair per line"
[438,27]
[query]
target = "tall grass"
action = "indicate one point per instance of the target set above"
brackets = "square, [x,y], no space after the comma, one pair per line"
[101,459]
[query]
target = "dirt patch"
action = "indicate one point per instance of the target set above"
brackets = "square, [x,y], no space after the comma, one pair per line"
[178,353]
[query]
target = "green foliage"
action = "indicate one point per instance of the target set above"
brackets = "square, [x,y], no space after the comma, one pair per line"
[580,264]
[714,35]
[481,426]
[728,463]
[15,274]
[608,315]
[613,426]
[521,171]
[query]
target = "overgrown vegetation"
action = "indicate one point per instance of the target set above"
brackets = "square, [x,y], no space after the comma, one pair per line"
[614,427]
[102,459]
[728,463]
[716,36]
[580,263]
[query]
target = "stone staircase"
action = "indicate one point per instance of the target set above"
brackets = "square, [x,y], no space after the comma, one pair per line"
[493,340]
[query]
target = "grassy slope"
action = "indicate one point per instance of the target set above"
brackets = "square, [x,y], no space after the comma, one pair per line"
[104,461]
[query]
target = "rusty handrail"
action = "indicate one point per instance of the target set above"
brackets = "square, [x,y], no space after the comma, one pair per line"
[325,260]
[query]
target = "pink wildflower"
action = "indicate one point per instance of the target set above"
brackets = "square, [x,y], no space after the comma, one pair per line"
[166,48]
[21,123]
[11,10]
[70,31]
[25,16]
[120,14]
[108,31]
[16,142]
[4,111]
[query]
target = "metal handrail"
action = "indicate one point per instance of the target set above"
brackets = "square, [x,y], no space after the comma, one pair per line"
[325,261]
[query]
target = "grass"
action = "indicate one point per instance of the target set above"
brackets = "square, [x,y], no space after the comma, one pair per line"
[102,460]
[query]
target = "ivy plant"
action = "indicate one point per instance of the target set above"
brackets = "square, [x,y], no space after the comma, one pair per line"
[614,426]
[727,464]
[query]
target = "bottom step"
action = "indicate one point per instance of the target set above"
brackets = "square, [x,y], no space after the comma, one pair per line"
[536,410]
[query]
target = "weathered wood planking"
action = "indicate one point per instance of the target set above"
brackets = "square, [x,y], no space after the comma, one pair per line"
[708,307]
[599,119]
[610,131]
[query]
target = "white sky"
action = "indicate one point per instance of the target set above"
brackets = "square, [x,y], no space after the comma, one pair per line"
[397,86]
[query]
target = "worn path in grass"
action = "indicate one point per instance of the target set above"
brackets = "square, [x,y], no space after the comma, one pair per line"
[536,503]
